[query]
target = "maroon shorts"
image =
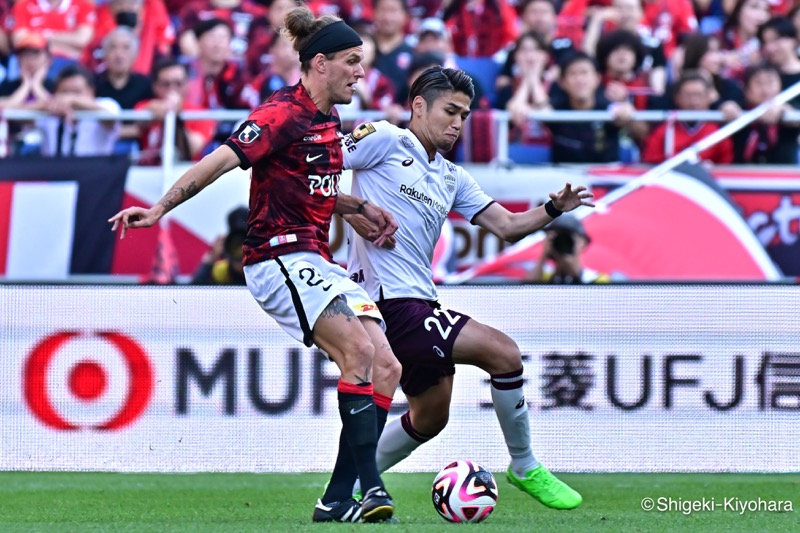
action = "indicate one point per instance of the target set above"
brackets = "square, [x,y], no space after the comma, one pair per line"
[422,336]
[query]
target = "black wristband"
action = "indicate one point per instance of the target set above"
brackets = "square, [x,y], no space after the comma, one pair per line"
[360,208]
[552,210]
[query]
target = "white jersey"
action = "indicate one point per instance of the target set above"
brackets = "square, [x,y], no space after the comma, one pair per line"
[83,137]
[391,169]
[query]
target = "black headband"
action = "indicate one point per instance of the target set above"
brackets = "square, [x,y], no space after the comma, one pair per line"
[332,38]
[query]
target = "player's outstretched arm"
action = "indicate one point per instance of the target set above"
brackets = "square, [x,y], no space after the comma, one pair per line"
[193,181]
[514,226]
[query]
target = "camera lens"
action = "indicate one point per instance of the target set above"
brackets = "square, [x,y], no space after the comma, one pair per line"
[564,243]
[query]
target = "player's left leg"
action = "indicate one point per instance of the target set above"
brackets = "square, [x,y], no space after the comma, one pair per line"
[347,343]
[427,373]
[426,417]
[493,351]
[386,372]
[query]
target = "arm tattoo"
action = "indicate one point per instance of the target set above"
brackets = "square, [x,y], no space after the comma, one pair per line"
[178,195]
[338,307]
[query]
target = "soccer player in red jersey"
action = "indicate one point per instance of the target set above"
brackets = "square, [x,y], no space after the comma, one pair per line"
[293,143]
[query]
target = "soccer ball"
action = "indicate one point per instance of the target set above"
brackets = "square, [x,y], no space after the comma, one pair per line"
[464,491]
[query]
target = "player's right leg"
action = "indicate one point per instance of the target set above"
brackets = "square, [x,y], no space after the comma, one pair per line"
[496,353]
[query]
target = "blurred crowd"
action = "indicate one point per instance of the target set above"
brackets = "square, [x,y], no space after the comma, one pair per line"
[525,55]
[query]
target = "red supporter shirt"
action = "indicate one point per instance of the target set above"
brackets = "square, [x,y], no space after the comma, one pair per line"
[381,89]
[226,90]
[357,10]
[152,138]
[670,139]
[349,10]
[38,16]
[780,8]
[481,31]
[577,8]
[5,16]
[248,21]
[174,6]
[155,38]
[296,154]
[638,89]
[667,19]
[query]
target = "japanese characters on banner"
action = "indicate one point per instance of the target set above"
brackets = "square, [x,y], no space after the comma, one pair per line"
[618,378]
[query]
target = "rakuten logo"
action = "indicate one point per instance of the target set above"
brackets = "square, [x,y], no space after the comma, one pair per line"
[78,368]
[421,197]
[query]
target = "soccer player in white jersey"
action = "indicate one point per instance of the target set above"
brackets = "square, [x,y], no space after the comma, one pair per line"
[402,170]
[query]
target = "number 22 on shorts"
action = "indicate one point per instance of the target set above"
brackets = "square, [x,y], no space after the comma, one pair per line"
[444,331]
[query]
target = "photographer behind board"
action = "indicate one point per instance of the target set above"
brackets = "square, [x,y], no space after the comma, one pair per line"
[222,264]
[562,248]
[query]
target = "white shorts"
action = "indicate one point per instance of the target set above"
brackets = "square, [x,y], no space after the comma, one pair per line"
[295,289]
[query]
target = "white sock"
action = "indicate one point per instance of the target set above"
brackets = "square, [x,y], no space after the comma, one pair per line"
[512,413]
[397,442]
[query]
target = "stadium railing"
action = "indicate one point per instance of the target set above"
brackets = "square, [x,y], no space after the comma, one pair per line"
[500,121]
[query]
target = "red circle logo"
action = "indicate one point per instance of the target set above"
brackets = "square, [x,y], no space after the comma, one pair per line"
[88,380]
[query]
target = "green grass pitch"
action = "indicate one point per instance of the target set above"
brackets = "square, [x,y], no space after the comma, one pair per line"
[92,502]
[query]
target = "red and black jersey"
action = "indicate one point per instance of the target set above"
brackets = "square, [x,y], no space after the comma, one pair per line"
[667,19]
[671,138]
[480,29]
[251,33]
[296,156]
[638,86]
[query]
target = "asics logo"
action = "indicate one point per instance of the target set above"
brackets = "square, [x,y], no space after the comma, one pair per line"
[355,411]
[408,162]
[309,159]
